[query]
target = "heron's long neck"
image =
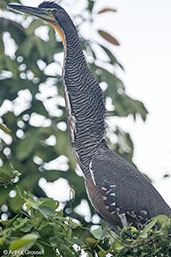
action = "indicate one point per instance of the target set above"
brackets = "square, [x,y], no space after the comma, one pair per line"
[84,102]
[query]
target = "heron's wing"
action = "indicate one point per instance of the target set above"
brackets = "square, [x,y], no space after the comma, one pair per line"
[124,189]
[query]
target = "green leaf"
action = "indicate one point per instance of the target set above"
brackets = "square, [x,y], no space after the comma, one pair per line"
[11,66]
[49,202]
[24,243]
[38,107]
[2,239]
[162,219]
[28,144]
[112,58]
[165,223]
[33,26]
[41,47]
[52,36]
[66,251]
[77,241]
[90,5]
[98,233]
[119,246]
[20,222]
[147,228]
[91,242]
[26,47]
[73,224]
[1,47]
[8,174]
[26,228]
[46,211]
[63,144]
[5,176]
[16,30]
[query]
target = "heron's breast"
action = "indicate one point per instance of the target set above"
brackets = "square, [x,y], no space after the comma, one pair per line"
[70,117]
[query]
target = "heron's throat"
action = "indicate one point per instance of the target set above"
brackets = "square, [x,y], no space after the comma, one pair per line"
[59,31]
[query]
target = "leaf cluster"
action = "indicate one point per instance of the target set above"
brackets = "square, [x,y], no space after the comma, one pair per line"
[42,229]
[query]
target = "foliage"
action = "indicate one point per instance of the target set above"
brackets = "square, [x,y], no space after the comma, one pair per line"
[43,231]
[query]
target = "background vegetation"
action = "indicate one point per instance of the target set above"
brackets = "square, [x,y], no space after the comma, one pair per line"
[38,136]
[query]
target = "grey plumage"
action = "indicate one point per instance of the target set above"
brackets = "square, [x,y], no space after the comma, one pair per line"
[134,194]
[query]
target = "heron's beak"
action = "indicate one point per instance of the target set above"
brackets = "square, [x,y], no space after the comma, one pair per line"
[38,12]
[42,14]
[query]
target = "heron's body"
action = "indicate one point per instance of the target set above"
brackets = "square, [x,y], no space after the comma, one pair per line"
[118,191]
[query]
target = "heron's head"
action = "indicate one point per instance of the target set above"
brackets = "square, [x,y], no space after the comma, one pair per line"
[50,12]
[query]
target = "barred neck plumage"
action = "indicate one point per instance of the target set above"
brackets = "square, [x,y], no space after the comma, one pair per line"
[84,102]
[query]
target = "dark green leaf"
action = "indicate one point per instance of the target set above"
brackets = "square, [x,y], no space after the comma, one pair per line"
[28,144]
[112,58]
[90,5]
[26,47]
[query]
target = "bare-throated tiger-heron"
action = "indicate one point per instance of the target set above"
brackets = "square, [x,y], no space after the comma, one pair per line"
[120,194]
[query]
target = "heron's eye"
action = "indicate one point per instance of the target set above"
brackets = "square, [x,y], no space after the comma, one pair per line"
[54,11]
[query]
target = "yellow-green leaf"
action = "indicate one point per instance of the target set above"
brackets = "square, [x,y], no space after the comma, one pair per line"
[147,228]
[24,242]
[91,241]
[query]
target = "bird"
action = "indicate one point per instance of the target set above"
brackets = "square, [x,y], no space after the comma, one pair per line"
[118,191]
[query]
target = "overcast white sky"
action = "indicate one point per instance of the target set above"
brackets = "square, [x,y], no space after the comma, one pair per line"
[144,30]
